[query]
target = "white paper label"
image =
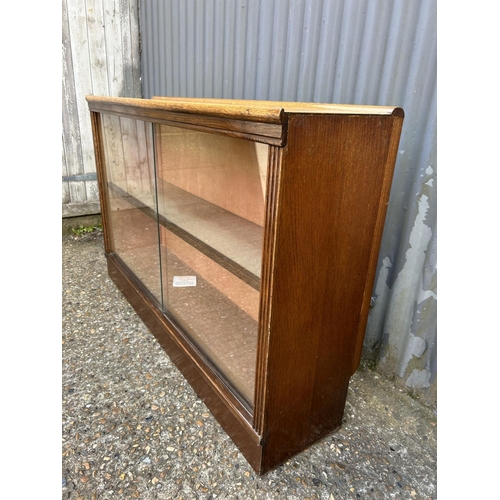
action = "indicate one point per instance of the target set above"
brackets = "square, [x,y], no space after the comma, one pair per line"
[184,281]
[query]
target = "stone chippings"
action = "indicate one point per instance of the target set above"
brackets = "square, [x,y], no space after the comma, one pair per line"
[133,428]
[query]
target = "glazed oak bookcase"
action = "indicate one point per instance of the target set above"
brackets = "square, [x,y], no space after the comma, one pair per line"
[246,234]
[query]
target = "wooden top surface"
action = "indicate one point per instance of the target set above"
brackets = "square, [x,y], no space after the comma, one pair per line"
[252,110]
[295,107]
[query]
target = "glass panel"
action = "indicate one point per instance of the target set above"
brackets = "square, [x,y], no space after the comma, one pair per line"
[129,160]
[211,192]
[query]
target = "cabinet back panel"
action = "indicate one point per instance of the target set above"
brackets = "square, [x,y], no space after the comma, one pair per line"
[225,171]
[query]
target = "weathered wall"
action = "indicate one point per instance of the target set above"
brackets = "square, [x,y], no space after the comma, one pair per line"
[100,56]
[361,51]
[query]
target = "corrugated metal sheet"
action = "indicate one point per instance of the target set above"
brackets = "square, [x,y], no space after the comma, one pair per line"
[100,55]
[343,51]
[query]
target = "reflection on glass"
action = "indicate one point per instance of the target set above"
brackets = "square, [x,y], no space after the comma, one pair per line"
[129,161]
[211,192]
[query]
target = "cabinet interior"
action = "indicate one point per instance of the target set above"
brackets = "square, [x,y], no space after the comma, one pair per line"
[187,215]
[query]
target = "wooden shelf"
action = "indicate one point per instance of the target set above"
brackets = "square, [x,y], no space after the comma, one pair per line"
[231,241]
[222,331]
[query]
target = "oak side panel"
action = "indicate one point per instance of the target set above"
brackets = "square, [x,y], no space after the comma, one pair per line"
[397,126]
[332,174]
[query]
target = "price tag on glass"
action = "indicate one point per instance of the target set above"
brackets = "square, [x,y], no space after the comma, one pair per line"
[181,281]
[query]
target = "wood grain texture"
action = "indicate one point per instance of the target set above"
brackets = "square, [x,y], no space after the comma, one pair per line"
[242,110]
[266,125]
[390,163]
[298,107]
[332,174]
[101,55]
[326,197]
[72,159]
[268,261]
[78,128]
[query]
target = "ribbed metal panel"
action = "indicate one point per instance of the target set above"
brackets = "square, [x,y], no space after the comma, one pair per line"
[343,51]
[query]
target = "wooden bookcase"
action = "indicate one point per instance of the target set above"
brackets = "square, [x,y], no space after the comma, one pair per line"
[246,234]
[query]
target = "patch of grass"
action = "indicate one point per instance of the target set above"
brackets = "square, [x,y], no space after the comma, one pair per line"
[80,231]
[414,395]
[371,365]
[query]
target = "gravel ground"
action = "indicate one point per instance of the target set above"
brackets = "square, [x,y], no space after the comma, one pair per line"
[133,428]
